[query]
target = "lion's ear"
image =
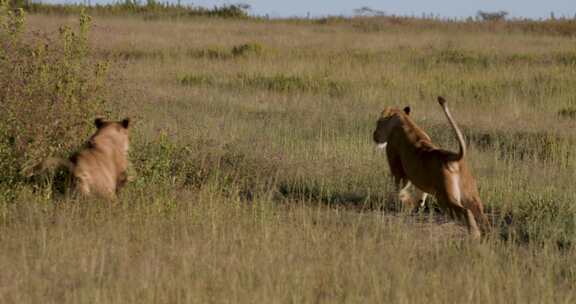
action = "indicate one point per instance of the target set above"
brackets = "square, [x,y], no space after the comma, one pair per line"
[126,123]
[99,122]
[407,110]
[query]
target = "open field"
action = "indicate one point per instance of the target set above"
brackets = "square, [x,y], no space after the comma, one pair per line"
[258,182]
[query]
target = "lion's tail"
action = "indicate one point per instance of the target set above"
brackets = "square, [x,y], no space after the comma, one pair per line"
[462,152]
[55,162]
[50,163]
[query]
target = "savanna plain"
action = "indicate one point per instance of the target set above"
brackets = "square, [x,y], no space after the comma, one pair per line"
[256,179]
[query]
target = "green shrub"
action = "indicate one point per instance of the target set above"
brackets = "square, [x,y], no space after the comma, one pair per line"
[569,113]
[211,53]
[544,218]
[281,83]
[566,58]
[294,84]
[247,49]
[242,50]
[52,91]
[461,57]
[135,54]
[197,80]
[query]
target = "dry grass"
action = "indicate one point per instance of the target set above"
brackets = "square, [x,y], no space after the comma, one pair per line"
[258,180]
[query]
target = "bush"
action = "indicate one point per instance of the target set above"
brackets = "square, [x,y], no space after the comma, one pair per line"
[294,84]
[569,113]
[545,218]
[247,49]
[197,80]
[52,91]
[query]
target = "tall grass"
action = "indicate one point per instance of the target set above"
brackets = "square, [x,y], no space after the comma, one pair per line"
[257,180]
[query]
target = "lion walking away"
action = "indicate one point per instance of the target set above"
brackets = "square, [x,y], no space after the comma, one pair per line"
[413,158]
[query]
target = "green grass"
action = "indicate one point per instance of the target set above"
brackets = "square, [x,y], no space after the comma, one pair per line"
[257,179]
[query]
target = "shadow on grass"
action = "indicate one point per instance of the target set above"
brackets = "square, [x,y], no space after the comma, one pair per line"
[348,200]
[505,226]
[352,201]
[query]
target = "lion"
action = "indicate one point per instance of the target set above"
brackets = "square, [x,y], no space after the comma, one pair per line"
[100,169]
[413,158]
[401,183]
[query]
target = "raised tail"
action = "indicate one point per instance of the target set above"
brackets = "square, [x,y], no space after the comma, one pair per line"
[462,152]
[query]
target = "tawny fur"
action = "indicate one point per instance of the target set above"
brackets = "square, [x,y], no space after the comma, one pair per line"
[401,183]
[100,168]
[413,157]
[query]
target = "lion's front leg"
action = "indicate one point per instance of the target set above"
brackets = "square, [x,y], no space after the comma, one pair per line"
[421,198]
[401,194]
[406,198]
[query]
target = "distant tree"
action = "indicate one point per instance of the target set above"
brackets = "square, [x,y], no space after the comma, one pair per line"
[239,10]
[243,6]
[492,16]
[367,11]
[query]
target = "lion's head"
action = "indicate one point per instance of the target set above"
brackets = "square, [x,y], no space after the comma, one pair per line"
[112,134]
[390,119]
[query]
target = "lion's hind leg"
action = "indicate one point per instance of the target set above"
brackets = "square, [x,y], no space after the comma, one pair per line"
[477,209]
[83,186]
[451,201]
[472,225]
